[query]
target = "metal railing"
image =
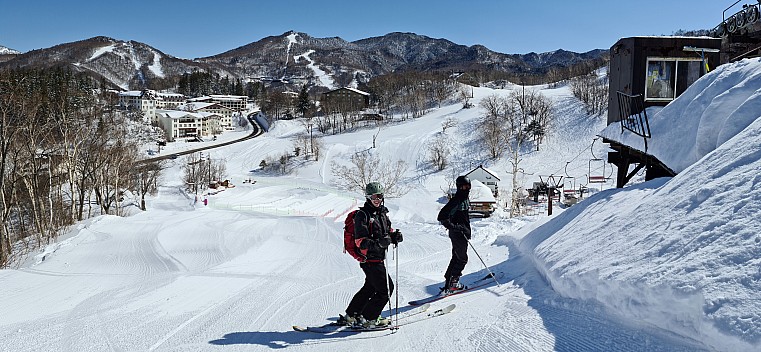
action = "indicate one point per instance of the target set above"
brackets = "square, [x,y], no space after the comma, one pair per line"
[631,111]
[749,14]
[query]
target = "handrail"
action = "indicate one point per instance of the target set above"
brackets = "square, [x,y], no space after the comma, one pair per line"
[733,23]
[633,116]
[723,19]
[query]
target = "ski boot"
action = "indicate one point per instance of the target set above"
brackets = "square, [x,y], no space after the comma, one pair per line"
[453,286]
[348,320]
[378,322]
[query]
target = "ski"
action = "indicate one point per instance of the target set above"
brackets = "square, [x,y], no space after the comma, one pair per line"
[335,327]
[436,313]
[486,280]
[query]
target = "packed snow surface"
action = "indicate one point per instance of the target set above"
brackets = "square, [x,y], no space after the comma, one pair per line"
[663,265]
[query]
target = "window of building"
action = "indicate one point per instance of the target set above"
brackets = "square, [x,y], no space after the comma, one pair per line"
[667,78]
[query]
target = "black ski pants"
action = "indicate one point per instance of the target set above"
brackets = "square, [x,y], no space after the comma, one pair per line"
[372,297]
[459,256]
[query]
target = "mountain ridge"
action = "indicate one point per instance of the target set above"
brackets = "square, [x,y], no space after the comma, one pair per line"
[133,65]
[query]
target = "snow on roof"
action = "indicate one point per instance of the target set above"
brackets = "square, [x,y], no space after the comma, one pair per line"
[195,106]
[228,97]
[172,95]
[711,111]
[131,93]
[485,169]
[173,114]
[178,114]
[479,192]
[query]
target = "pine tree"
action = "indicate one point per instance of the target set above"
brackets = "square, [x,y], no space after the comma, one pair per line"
[303,104]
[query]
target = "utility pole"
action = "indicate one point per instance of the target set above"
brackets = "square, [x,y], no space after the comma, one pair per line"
[311,139]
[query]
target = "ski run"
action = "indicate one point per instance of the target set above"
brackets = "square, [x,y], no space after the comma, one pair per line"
[664,265]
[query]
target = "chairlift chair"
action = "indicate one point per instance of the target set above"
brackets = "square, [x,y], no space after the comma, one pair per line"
[569,183]
[569,191]
[596,171]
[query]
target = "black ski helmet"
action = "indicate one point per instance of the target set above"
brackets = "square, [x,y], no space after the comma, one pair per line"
[462,180]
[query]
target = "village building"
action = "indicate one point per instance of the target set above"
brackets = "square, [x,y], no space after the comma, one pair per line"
[131,100]
[482,201]
[487,177]
[236,103]
[227,114]
[647,72]
[184,124]
[148,101]
[348,98]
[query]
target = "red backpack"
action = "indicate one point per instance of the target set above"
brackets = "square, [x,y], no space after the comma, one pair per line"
[350,244]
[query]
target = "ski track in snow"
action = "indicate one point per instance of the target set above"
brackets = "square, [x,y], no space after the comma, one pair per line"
[187,277]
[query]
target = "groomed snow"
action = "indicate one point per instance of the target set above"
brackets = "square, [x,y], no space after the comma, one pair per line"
[323,78]
[665,265]
[101,51]
[156,67]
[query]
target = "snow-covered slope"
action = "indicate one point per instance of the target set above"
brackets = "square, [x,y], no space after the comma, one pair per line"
[683,254]
[667,265]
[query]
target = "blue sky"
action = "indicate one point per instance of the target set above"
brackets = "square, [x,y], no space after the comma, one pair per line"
[192,28]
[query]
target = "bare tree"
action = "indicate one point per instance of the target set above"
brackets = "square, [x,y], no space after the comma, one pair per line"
[592,91]
[301,142]
[318,146]
[492,127]
[367,168]
[439,151]
[192,171]
[146,180]
[448,123]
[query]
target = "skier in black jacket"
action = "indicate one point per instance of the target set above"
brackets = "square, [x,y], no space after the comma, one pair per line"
[373,233]
[454,216]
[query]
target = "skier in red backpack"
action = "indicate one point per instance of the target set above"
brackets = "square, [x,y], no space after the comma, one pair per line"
[373,234]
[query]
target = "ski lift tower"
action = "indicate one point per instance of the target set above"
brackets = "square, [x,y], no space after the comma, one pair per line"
[553,183]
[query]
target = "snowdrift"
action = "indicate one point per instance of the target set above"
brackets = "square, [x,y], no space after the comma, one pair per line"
[682,254]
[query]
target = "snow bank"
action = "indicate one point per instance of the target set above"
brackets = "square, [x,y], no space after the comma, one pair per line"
[682,254]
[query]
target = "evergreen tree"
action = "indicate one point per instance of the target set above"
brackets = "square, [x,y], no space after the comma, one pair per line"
[303,104]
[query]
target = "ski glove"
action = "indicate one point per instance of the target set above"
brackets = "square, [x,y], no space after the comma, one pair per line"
[384,242]
[396,237]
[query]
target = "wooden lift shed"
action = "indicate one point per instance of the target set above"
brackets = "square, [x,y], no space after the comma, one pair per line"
[645,72]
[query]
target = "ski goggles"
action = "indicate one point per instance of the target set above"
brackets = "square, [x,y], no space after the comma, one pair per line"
[375,197]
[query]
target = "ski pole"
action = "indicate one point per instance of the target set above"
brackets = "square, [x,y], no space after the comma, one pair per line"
[388,287]
[396,263]
[481,259]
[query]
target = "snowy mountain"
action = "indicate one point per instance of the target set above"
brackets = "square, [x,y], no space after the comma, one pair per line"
[6,51]
[296,58]
[7,54]
[664,265]
[123,63]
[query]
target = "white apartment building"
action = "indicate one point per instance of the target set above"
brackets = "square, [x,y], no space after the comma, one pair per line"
[184,124]
[132,99]
[235,103]
[226,121]
[148,101]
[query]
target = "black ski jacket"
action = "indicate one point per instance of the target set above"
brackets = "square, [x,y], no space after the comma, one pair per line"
[372,228]
[454,215]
